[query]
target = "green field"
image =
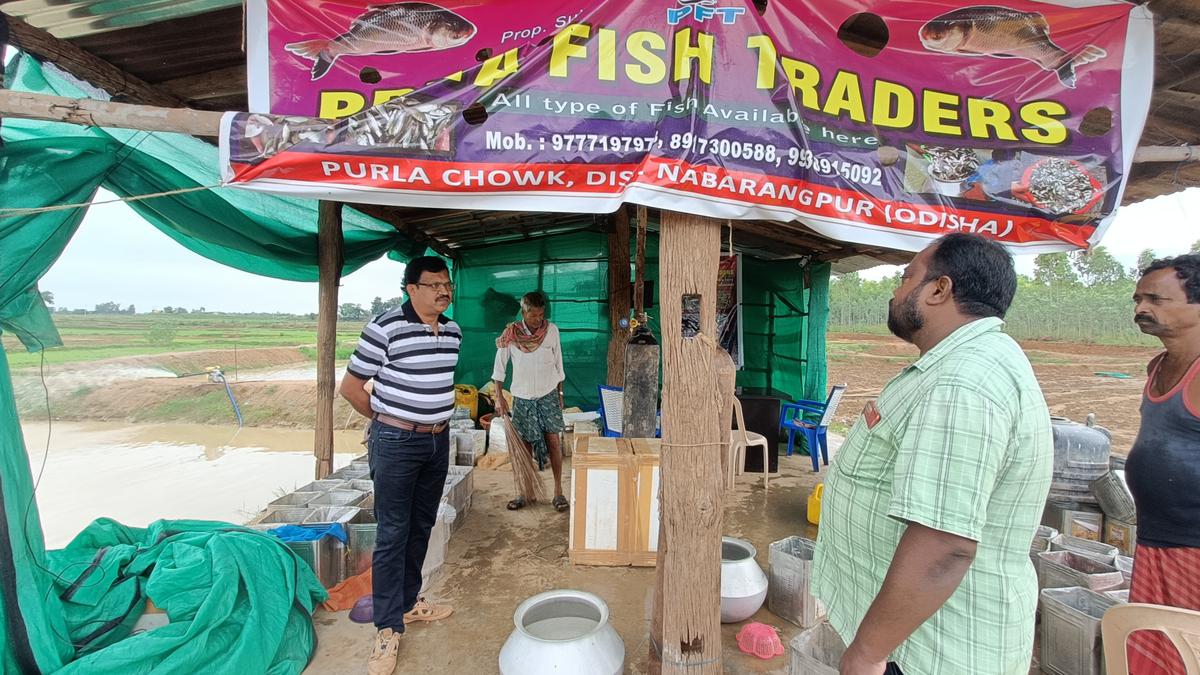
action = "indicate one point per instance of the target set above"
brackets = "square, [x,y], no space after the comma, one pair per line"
[92,337]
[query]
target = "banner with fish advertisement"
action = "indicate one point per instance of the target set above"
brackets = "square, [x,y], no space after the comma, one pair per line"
[879,122]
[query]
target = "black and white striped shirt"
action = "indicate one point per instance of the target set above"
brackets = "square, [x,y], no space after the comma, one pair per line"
[413,369]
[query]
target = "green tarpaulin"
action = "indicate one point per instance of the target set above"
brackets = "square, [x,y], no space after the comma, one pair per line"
[236,600]
[45,164]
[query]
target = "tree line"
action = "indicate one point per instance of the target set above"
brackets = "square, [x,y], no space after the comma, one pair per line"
[1083,296]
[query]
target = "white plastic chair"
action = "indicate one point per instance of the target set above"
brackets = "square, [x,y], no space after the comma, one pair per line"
[1178,625]
[739,441]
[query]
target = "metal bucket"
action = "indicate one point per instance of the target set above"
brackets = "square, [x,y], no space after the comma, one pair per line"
[1071,631]
[283,516]
[361,530]
[1112,492]
[1041,542]
[326,556]
[1063,569]
[1095,550]
[1124,565]
[331,514]
[338,498]
[789,579]
[323,485]
[351,472]
[292,500]
[360,484]
[816,651]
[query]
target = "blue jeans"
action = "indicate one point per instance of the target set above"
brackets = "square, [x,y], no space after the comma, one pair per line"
[409,470]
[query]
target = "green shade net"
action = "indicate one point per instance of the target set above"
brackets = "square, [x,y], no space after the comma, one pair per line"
[235,600]
[46,164]
[572,270]
[784,347]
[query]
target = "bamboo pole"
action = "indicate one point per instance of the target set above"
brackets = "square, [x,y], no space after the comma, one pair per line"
[618,295]
[639,267]
[329,262]
[690,564]
[92,113]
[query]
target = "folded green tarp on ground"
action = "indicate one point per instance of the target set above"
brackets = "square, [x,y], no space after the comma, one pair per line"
[237,600]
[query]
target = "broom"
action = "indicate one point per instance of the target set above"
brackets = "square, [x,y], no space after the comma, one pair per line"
[528,482]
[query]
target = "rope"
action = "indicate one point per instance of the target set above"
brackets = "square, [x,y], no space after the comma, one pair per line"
[18,212]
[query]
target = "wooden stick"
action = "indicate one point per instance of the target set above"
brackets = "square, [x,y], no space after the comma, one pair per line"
[329,262]
[618,295]
[93,113]
[1167,153]
[639,268]
[691,449]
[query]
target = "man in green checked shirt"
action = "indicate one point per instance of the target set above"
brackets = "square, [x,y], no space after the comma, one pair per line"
[931,504]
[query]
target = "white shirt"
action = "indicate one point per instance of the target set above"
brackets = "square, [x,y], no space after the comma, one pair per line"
[535,373]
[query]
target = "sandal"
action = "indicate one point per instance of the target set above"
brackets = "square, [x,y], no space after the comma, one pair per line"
[560,504]
[427,611]
[518,503]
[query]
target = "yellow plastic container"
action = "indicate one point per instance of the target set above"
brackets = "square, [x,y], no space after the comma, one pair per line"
[467,396]
[814,504]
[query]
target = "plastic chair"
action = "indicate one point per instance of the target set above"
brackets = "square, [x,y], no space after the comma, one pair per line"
[612,406]
[739,441]
[792,418]
[1176,623]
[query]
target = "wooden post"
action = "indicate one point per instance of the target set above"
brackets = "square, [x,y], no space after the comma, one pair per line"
[639,267]
[329,262]
[618,295]
[690,564]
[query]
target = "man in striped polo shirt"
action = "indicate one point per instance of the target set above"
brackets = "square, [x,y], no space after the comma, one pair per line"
[409,354]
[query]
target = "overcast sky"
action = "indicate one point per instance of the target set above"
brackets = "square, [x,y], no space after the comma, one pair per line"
[118,257]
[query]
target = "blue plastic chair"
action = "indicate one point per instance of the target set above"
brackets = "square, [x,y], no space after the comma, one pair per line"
[612,411]
[811,418]
[612,402]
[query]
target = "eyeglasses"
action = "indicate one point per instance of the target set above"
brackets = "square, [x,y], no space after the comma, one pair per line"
[438,286]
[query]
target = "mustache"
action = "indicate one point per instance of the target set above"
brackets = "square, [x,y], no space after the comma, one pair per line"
[1143,318]
[443,297]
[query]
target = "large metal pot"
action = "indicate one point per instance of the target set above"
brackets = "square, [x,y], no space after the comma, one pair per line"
[743,583]
[562,631]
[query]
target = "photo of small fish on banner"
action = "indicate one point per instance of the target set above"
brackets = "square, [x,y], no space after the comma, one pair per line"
[1059,186]
[404,124]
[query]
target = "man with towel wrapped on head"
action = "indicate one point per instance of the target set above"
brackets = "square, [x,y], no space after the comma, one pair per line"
[533,346]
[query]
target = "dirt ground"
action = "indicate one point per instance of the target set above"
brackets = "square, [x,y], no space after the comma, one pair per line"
[499,558]
[1066,371]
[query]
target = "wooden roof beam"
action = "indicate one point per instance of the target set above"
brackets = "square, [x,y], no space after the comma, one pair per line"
[83,65]
[214,84]
[389,215]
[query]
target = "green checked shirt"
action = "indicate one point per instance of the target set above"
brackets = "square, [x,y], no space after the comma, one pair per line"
[962,445]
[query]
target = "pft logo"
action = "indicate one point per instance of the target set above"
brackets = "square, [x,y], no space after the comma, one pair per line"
[703,10]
